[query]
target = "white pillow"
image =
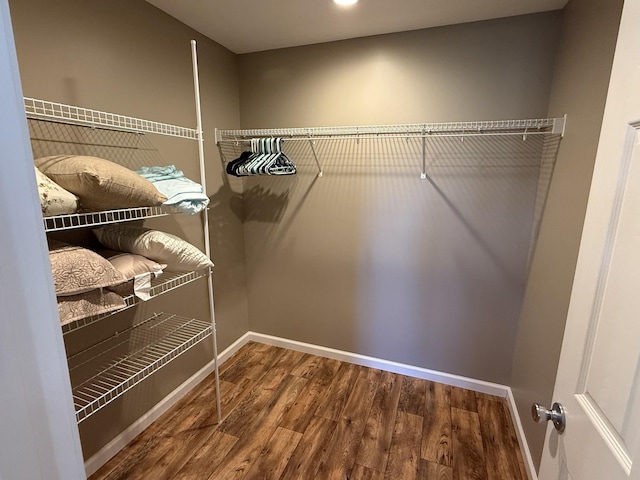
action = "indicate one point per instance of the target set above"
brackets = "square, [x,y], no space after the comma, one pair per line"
[54,200]
[162,247]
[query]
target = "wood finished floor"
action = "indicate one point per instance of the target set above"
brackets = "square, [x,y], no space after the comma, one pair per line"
[291,415]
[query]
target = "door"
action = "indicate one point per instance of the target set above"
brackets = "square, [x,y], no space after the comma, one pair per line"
[39,437]
[598,380]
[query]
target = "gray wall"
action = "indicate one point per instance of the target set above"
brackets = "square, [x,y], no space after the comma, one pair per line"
[477,71]
[128,57]
[370,258]
[585,56]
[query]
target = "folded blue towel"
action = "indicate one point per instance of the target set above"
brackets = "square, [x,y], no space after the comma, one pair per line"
[182,193]
[160,173]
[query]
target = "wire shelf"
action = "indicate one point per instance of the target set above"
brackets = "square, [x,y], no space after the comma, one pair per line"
[93,219]
[164,283]
[59,112]
[108,369]
[491,127]
[111,368]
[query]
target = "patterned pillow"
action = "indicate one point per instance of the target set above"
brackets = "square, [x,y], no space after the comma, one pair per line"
[100,184]
[54,200]
[162,247]
[78,270]
[88,304]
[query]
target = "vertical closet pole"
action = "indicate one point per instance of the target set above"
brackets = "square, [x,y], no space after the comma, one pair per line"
[205,213]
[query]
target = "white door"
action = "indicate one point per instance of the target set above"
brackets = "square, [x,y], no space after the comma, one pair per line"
[598,380]
[39,437]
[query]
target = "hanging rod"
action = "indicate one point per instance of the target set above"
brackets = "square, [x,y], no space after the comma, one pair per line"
[544,126]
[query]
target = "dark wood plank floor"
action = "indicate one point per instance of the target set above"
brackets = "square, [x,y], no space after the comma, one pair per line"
[290,415]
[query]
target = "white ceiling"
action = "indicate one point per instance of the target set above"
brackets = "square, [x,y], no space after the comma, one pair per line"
[245,26]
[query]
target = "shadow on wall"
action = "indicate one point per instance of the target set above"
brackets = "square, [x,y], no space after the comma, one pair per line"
[263,199]
[258,203]
[375,260]
[267,206]
[487,181]
[468,177]
[444,260]
[267,203]
[129,149]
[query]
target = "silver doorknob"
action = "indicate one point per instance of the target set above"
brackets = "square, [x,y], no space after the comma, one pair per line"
[541,414]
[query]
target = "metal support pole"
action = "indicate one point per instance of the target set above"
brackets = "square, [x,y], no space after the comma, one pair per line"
[205,214]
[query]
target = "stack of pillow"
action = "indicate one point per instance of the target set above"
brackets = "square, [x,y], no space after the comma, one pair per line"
[87,283]
[91,183]
[79,277]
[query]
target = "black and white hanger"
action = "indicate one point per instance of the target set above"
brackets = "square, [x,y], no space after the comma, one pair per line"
[264,158]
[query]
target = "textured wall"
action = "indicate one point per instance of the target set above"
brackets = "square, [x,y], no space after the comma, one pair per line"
[370,258]
[128,57]
[585,56]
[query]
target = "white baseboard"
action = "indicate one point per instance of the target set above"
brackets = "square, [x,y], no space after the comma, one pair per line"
[118,443]
[387,365]
[113,447]
[522,439]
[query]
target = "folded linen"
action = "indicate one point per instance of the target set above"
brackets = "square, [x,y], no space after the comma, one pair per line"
[160,173]
[182,193]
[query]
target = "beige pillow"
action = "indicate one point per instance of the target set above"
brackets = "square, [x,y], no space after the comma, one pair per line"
[100,184]
[77,270]
[162,247]
[88,304]
[131,266]
[54,200]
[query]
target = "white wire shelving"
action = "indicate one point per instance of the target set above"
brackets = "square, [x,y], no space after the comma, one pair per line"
[166,282]
[94,219]
[420,131]
[490,127]
[59,112]
[118,365]
[111,368]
